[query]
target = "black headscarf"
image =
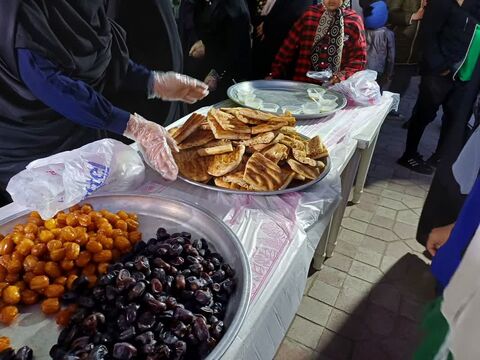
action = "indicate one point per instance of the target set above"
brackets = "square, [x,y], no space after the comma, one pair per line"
[76,34]
[78,37]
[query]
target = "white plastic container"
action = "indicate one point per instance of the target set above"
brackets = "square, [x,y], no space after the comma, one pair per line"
[270,107]
[292,109]
[311,108]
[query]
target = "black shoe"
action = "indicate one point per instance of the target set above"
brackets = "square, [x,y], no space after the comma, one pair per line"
[395,115]
[415,163]
[434,160]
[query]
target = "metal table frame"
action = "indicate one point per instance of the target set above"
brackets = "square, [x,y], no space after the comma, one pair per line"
[353,176]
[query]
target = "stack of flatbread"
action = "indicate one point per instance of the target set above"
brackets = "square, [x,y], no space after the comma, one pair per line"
[244,149]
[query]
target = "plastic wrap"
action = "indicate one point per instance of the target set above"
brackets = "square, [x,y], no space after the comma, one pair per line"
[324,75]
[57,182]
[171,86]
[360,88]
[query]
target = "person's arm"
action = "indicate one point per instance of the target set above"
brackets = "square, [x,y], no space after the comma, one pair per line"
[138,78]
[354,56]
[438,237]
[436,15]
[288,50]
[81,104]
[74,99]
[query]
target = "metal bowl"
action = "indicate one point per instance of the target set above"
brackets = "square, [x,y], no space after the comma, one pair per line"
[41,333]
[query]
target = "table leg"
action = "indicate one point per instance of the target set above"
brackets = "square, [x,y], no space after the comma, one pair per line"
[347,177]
[365,160]
[321,250]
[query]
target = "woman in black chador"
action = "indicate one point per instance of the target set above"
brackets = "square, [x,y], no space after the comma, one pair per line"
[61,62]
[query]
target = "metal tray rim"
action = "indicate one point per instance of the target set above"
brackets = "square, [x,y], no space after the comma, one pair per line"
[286,84]
[243,308]
[262,193]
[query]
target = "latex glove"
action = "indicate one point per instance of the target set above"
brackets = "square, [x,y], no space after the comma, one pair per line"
[155,144]
[198,50]
[171,86]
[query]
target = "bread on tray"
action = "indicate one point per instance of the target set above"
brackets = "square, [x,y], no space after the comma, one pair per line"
[247,150]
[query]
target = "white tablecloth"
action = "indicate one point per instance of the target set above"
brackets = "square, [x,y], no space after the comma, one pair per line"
[280,233]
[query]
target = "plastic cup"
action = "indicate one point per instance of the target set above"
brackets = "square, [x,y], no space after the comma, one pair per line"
[254,103]
[270,107]
[243,93]
[329,97]
[311,108]
[292,109]
[316,93]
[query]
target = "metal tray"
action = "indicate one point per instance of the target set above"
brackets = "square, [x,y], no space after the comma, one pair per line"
[40,332]
[283,93]
[263,193]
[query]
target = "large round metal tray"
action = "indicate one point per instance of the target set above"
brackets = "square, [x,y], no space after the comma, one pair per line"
[283,93]
[40,333]
[296,188]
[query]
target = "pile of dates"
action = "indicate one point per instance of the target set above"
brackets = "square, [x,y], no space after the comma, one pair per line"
[24,353]
[165,300]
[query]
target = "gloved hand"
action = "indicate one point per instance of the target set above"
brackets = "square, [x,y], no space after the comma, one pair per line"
[171,86]
[198,50]
[155,143]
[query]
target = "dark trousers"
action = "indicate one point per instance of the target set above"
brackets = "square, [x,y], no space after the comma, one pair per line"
[435,91]
[401,78]
[442,205]
[444,200]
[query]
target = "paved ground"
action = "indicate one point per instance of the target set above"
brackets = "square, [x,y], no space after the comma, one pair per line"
[366,303]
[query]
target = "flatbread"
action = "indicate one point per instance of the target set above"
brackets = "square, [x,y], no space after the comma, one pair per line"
[198,138]
[229,122]
[302,158]
[276,152]
[216,150]
[220,133]
[270,126]
[293,143]
[309,172]
[192,166]
[225,163]
[315,148]
[263,174]
[264,138]
[188,128]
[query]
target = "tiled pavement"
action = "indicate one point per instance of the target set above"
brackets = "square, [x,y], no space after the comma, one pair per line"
[366,303]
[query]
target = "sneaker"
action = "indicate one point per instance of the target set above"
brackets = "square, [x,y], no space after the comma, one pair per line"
[434,160]
[415,163]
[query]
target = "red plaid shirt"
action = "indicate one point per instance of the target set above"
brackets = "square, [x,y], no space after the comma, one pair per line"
[299,43]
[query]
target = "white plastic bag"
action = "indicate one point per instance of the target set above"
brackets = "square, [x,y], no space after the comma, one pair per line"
[57,182]
[360,88]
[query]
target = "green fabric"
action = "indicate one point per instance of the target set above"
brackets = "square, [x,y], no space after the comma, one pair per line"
[435,328]
[468,67]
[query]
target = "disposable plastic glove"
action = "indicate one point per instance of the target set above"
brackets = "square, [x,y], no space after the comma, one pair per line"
[172,86]
[155,143]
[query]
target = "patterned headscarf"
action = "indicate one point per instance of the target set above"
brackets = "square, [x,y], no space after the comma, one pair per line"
[330,21]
